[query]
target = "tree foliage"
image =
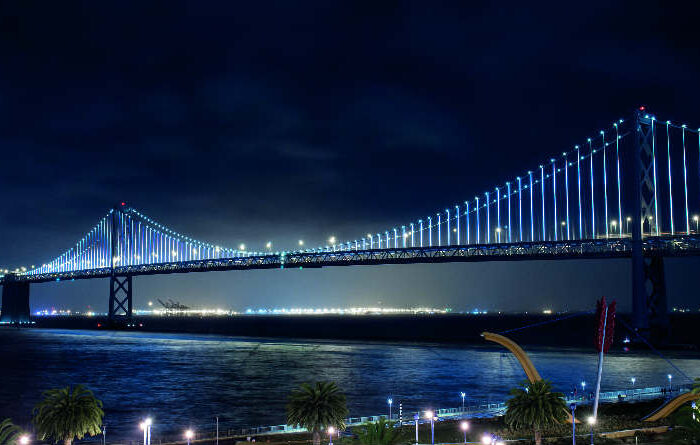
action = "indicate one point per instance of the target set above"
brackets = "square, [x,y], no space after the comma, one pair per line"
[316,407]
[68,413]
[535,407]
[9,432]
[379,433]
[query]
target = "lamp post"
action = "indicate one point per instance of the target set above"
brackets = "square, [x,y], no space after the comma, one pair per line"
[415,418]
[614,225]
[627,220]
[104,434]
[24,439]
[670,387]
[217,430]
[463,394]
[189,434]
[430,415]
[591,422]
[146,427]
[390,402]
[464,426]
[561,231]
[697,223]
[573,423]
[331,430]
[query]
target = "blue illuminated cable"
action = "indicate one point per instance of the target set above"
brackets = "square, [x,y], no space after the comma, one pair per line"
[413,243]
[420,223]
[544,222]
[439,231]
[566,182]
[466,216]
[532,214]
[379,241]
[605,187]
[395,239]
[580,213]
[457,217]
[498,213]
[488,218]
[590,147]
[653,156]
[388,245]
[520,208]
[685,186]
[430,232]
[670,184]
[554,196]
[447,212]
[478,239]
[619,188]
[509,237]
[403,235]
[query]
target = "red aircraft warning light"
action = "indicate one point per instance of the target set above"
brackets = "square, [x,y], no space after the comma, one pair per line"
[642,108]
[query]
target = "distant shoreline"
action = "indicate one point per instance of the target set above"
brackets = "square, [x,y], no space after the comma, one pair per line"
[433,328]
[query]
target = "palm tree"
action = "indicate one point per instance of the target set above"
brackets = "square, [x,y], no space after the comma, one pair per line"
[536,407]
[316,407]
[9,432]
[379,433]
[65,414]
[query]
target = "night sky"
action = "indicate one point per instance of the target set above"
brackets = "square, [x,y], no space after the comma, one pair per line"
[248,122]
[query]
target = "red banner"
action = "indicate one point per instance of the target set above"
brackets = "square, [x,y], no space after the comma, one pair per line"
[604,339]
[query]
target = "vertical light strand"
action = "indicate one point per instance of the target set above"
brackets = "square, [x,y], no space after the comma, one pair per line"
[439,232]
[457,217]
[544,219]
[509,236]
[593,232]
[554,196]
[430,232]
[447,217]
[478,237]
[566,186]
[653,161]
[466,216]
[498,214]
[520,207]
[619,188]
[420,226]
[605,186]
[532,214]
[578,174]
[413,242]
[685,186]
[488,218]
[670,184]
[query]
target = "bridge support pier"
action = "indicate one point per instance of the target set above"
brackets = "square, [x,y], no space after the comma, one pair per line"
[649,311]
[15,301]
[120,297]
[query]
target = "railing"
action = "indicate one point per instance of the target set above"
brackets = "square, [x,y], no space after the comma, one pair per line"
[469,412]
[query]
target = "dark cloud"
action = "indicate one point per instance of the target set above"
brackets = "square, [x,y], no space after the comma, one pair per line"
[284,121]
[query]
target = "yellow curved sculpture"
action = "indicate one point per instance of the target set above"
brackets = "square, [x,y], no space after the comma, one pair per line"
[518,352]
[523,359]
[670,406]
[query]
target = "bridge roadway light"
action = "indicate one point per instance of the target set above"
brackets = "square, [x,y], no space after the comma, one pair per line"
[189,434]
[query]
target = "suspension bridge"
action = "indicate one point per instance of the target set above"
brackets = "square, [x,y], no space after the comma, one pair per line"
[631,190]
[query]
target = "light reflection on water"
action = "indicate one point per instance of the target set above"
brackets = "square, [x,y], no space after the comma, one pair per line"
[183,379]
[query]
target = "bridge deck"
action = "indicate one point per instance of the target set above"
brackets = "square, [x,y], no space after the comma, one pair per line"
[679,245]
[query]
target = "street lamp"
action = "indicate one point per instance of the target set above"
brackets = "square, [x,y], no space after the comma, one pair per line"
[331,430]
[670,377]
[24,439]
[614,225]
[429,415]
[463,395]
[415,418]
[583,388]
[591,422]
[464,426]
[627,229]
[697,222]
[189,434]
[486,439]
[389,401]
[573,423]
[146,427]
[561,231]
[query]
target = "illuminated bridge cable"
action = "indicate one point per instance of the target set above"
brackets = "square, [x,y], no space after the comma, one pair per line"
[509,237]
[653,155]
[532,213]
[670,184]
[580,213]
[498,214]
[466,216]
[566,181]
[487,204]
[447,212]
[520,208]
[605,186]
[685,186]
[554,195]
[593,234]
[544,220]
[619,192]
[477,220]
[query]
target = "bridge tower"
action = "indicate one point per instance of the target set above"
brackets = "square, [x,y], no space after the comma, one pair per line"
[120,295]
[649,312]
[15,300]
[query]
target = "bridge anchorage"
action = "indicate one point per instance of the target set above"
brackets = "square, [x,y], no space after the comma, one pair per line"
[611,197]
